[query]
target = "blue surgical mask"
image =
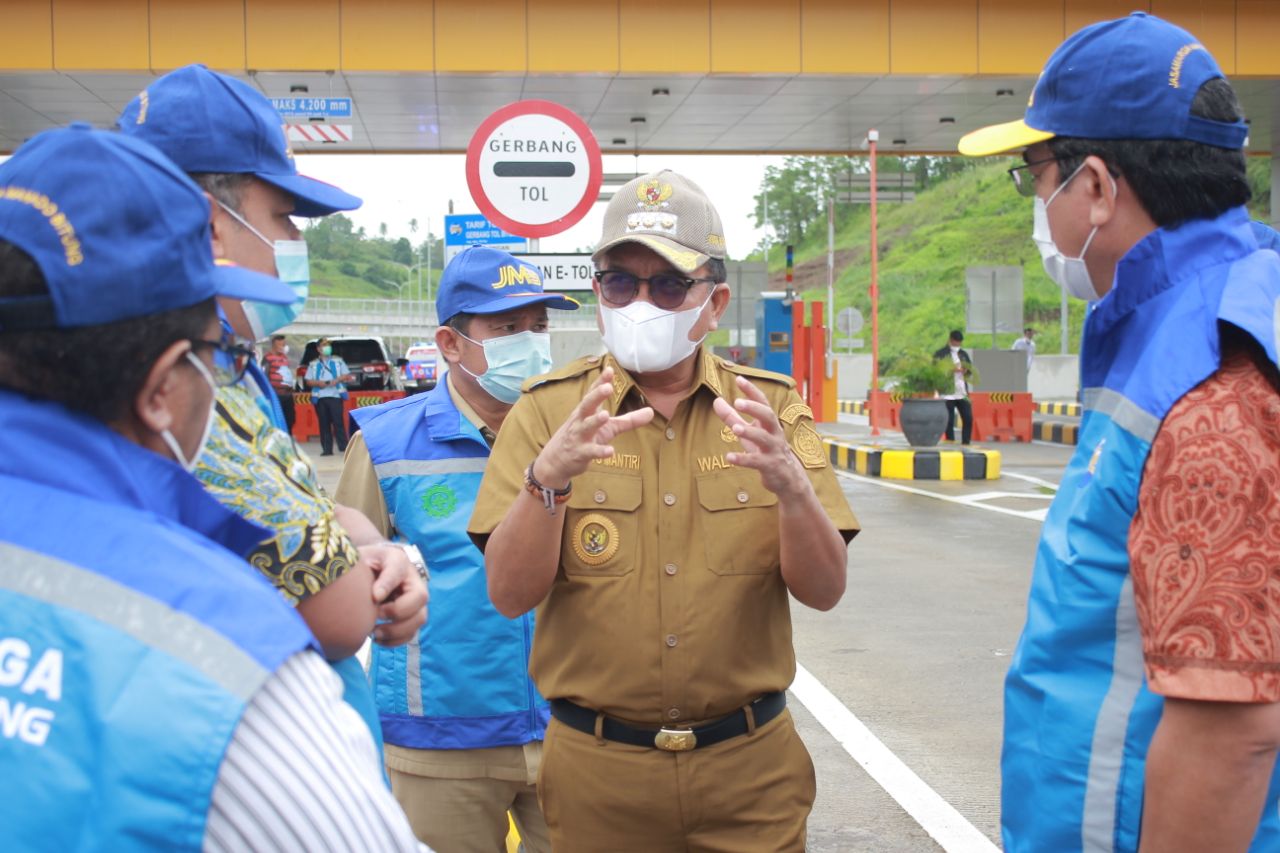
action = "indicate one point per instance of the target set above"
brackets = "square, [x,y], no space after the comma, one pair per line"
[512,359]
[293,268]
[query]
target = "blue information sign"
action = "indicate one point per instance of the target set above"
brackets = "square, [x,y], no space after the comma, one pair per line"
[307,107]
[472,229]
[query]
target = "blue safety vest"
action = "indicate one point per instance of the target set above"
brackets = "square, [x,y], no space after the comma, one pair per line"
[131,638]
[1078,714]
[463,682]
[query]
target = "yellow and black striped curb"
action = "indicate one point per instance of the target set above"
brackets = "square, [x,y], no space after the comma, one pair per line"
[1068,409]
[853,407]
[913,464]
[1058,433]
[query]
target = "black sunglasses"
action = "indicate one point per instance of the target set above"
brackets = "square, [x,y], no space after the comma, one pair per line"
[230,359]
[667,290]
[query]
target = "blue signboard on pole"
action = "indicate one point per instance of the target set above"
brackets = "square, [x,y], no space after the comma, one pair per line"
[308,107]
[472,229]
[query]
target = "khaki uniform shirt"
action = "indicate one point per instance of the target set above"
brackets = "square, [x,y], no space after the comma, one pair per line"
[669,604]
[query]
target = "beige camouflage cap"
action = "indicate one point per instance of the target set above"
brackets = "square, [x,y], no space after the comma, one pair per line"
[667,213]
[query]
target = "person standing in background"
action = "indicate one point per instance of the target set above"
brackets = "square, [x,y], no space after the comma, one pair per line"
[1026,344]
[279,372]
[958,399]
[327,377]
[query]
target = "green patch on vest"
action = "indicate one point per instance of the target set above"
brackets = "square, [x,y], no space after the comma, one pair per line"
[439,501]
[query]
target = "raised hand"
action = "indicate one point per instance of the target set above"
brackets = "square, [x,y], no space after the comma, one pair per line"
[585,435]
[766,445]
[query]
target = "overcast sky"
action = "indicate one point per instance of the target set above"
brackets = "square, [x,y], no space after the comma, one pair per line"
[400,187]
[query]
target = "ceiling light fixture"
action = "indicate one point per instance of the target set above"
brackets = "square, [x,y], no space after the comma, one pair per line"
[660,90]
[1004,93]
[899,142]
[619,140]
[946,120]
[637,119]
[299,88]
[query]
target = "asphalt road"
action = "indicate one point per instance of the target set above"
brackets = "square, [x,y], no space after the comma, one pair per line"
[918,647]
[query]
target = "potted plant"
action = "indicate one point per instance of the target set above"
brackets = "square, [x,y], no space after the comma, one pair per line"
[921,379]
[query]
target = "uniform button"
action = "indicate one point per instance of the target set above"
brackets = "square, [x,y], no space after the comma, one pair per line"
[670,568]
[673,713]
[592,359]
[669,499]
[599,496]
[671,434]
[671,641]
[743,497]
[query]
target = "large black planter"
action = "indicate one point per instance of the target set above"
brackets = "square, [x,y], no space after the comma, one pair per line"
[923,420]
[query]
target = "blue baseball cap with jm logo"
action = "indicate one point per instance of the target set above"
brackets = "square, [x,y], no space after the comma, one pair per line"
[117,231]
[484,280]
[208,122]
[1131,78]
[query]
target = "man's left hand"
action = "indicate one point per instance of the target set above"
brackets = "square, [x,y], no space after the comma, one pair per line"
[766,445]
[399,592]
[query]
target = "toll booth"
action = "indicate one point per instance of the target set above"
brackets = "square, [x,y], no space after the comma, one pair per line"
[773,333]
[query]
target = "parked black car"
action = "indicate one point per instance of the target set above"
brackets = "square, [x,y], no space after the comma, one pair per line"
[367,358]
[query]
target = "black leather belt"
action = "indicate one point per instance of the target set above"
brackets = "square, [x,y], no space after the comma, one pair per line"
[583,719]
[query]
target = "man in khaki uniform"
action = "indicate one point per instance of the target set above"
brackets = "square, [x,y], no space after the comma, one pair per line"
[657,505]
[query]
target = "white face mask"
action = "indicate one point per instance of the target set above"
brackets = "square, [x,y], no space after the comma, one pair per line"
[167,437]
[1070,274]
[512,359]
[647,339]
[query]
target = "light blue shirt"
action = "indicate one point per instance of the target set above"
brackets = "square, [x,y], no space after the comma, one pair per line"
[328,368]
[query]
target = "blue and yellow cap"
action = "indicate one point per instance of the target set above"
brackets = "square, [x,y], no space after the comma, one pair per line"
[208,122]
[484,280]
[117,231]
[1131,78]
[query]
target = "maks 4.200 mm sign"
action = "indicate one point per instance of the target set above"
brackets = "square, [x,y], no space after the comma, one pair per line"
[533,168]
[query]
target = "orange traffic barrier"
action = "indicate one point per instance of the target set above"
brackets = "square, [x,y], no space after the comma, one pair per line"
[886,410]
[1002,415]
[306,425]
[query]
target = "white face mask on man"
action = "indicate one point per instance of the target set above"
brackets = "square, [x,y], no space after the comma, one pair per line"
[172,443]
[1070,274]
[644,338]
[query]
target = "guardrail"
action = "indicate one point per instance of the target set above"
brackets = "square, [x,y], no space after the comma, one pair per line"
[413,317]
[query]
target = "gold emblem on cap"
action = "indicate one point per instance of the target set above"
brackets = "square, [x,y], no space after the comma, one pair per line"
[653,194]
[808,446]
[595,539]
[795,412]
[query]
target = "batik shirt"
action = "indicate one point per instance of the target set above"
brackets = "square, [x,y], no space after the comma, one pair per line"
[259,472]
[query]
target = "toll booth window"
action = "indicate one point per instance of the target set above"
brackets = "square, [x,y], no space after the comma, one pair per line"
[779,341]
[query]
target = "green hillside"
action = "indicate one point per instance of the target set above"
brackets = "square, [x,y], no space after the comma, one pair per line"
[973,218]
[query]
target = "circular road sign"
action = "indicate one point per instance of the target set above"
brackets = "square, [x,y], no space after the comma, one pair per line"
[533,168]
[849,321]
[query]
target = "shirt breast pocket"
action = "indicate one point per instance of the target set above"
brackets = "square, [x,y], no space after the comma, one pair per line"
[602,525]
[739,523]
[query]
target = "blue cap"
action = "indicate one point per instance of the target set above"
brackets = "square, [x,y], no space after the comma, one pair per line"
[483,280]
[117,231]
[1132,78]
[209,122]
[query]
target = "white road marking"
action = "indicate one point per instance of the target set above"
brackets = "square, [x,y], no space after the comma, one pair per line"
[1030,479]
[962,500]
[934,814]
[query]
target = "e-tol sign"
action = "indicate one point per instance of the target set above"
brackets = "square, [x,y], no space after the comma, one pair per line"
[533,168]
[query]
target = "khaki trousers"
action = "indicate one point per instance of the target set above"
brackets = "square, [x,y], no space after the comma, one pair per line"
[457,799]
[751,793]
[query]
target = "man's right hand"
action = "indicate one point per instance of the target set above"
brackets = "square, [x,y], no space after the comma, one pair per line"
[585,436]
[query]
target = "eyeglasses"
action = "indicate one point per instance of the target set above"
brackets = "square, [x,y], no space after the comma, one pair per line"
[667,290]
[1025,181]
[230,359]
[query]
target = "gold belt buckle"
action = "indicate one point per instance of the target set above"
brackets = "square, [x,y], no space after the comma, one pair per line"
[675,740]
